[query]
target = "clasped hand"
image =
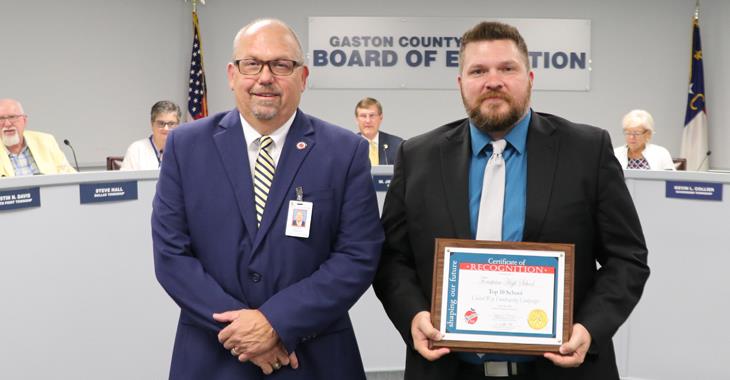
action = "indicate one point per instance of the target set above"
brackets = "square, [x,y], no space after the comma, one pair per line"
[250,337]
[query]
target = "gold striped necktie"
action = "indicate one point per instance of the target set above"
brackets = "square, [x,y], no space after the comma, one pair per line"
[263,176]
[373,153]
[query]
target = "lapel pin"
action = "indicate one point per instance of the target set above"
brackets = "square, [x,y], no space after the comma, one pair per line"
[301,145]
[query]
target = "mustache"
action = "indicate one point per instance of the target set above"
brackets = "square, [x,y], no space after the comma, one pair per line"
[493,95]
[264,89]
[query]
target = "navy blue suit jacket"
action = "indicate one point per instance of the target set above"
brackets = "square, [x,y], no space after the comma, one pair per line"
[388,148]
[210,257]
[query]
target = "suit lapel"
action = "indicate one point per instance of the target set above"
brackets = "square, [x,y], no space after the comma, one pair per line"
[542,157]
[455,158]
[231,145]
[292,156]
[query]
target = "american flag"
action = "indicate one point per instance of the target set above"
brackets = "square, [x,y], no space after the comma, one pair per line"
[197,91]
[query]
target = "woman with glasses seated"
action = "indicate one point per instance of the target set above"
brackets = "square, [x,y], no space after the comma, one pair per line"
[638,153]
[146,154]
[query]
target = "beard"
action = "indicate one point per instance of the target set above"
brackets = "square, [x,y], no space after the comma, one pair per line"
[264,113]
[492,120]
[266,109]
[11,140]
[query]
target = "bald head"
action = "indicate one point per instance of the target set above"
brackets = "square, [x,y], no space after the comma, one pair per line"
[11,103]
[270,24]
[267,98]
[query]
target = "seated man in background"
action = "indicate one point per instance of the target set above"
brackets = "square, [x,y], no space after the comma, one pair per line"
[27,152]
[383,146]
[638,153]
[146,154]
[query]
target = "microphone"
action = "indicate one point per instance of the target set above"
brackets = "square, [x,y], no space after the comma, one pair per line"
[385,153]
[65,141]
[707,155]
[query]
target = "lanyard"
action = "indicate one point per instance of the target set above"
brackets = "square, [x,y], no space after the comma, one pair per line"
[158,154]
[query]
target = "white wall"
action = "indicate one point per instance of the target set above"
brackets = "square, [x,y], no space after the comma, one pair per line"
[90,70]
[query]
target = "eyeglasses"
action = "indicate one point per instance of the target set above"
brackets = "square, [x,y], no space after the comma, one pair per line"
[163,124]
[278,67]
[634,134]
[11,118]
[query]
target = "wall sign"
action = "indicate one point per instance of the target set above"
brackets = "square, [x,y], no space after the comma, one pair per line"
[423,52]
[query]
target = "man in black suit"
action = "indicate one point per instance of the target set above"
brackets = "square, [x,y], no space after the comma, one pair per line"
[383,146]
[563,185]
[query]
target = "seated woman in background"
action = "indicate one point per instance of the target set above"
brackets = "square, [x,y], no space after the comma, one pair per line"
[638,153]
[146,154]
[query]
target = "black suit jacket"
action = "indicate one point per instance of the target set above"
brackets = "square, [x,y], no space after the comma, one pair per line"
[575,194]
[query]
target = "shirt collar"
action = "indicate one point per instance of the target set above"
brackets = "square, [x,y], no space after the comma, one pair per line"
[374,140]
[516,137]
[23,151]
[279,135]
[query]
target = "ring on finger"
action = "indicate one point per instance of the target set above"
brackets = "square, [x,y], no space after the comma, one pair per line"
[234,352]
[276,365]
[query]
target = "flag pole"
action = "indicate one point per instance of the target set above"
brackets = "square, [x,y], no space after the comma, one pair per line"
[195,4]
[697,9]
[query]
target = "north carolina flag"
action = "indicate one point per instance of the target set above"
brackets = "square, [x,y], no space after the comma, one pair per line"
[197,91]
[695,146]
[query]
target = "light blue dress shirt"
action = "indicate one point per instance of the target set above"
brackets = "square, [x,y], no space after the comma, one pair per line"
[515,195]
[24,163]
[515,156]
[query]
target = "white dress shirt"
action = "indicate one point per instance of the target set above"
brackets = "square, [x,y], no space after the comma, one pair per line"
[252,141]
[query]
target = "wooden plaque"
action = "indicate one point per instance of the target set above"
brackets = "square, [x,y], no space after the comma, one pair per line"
[502,297]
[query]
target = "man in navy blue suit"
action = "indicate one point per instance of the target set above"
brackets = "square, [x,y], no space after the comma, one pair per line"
[259,296]
[383,146]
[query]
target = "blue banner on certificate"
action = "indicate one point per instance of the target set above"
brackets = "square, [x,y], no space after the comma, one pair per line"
[502,296]
[107,191]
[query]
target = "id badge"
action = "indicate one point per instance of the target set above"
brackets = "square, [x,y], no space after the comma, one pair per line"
[299,219]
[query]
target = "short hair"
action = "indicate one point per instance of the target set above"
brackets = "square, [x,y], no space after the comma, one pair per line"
[164,106]
[639,118]
[367,103]
[491,31]
[299,52]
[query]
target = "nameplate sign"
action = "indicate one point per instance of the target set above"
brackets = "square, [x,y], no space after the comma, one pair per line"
[382,182]
[706,191]
[20,198]
[107,191]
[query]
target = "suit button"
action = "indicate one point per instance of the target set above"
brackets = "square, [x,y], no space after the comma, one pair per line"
[255,277]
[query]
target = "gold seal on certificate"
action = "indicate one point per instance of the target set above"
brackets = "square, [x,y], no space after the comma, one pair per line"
[502,297]
[538,319]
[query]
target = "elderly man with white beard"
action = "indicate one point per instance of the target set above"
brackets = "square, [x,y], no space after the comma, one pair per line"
[27,152]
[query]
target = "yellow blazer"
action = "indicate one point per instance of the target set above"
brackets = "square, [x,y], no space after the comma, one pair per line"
[45,151]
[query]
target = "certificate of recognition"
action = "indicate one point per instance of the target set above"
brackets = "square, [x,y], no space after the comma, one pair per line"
[503,297]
